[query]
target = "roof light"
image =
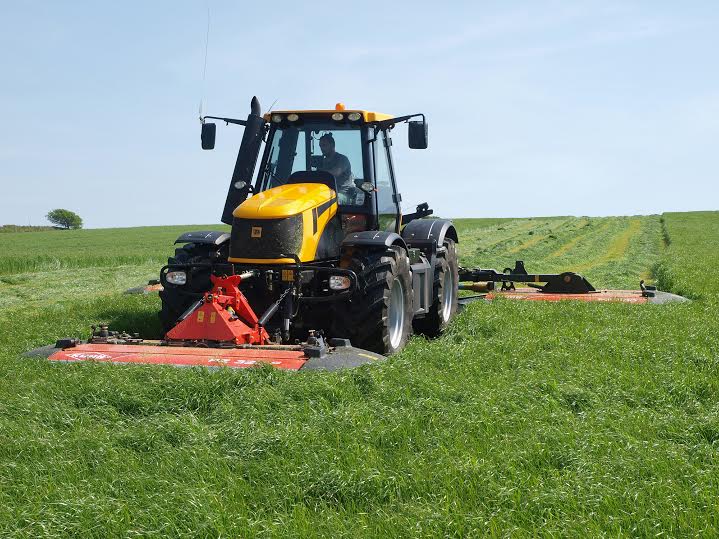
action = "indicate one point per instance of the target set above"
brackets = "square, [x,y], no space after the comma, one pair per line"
[354,116]
[293,117]
[338,116]
[340,106]
[277,118]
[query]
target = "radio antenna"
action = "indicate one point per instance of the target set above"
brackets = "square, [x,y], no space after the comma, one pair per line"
[204,66]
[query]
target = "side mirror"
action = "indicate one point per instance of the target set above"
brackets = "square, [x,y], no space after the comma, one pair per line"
[208,136]
[417,134]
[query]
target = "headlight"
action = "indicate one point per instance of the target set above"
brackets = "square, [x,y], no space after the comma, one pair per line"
[339,282]
[176,277]
[354,116]
[277,118]
[367,187]
[338,116]
[293,117]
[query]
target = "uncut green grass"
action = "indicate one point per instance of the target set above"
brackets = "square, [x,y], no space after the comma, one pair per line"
[560,419]
[63,249]
[692,247]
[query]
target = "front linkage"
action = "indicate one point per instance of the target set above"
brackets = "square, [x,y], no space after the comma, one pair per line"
[293,281]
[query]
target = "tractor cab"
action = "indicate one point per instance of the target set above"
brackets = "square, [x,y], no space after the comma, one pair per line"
[309,146]
[347,150]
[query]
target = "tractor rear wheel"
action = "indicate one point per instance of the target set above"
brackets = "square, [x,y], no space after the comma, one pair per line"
[177,299]
[378,316]
[445,295]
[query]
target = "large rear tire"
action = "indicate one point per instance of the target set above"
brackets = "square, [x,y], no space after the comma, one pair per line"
[177,299]
[378,317]
[445,293]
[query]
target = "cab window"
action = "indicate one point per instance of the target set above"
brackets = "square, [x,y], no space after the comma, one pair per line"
[386,206]
[312,146]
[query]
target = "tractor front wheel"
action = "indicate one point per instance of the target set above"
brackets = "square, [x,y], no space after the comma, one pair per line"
[378,317]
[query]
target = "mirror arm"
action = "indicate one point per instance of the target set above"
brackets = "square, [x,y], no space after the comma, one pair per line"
[384,124]
[226,120]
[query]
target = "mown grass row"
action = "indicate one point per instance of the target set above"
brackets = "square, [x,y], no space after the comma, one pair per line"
[29,291]
[612,252]
[563,419]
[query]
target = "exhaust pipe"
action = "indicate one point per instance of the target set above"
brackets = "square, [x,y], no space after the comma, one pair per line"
[246,160]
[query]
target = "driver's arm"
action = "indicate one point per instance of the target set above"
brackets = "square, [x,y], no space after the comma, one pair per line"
[343,168]
[338,170]
[316,161]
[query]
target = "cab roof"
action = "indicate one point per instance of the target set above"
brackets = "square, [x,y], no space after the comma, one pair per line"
[367,116]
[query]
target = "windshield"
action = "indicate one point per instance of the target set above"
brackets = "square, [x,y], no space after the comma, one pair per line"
[317,146]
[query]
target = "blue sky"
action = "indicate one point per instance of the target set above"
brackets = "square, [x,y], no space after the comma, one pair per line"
[535,108]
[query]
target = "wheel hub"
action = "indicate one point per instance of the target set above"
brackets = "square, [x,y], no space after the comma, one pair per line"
[396,313]
[448,293]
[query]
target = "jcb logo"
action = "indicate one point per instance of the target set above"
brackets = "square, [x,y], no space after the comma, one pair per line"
[256,231]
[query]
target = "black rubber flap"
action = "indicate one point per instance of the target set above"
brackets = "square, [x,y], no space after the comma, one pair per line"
[344,357]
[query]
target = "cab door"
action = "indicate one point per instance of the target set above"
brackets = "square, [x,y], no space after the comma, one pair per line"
[389,212]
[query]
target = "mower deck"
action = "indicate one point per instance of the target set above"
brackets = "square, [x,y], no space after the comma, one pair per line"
[181,356]
[621,296]
[291,358]
[558,287]
[636,297]
[221,330]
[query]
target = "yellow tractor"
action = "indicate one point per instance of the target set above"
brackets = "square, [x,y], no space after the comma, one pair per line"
[319,236]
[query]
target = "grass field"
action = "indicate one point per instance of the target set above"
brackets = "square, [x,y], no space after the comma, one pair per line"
[70,249]
[524,419]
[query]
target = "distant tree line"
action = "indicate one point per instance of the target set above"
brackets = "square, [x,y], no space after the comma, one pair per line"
[23,228]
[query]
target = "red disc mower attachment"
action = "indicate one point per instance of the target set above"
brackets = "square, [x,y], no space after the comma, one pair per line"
[315,354]
[222,316]
[220,330]
[557,287]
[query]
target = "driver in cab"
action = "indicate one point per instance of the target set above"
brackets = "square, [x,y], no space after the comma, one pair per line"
[338,165]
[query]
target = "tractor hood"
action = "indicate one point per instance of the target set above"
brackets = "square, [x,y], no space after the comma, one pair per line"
[284,201]
[287,220]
